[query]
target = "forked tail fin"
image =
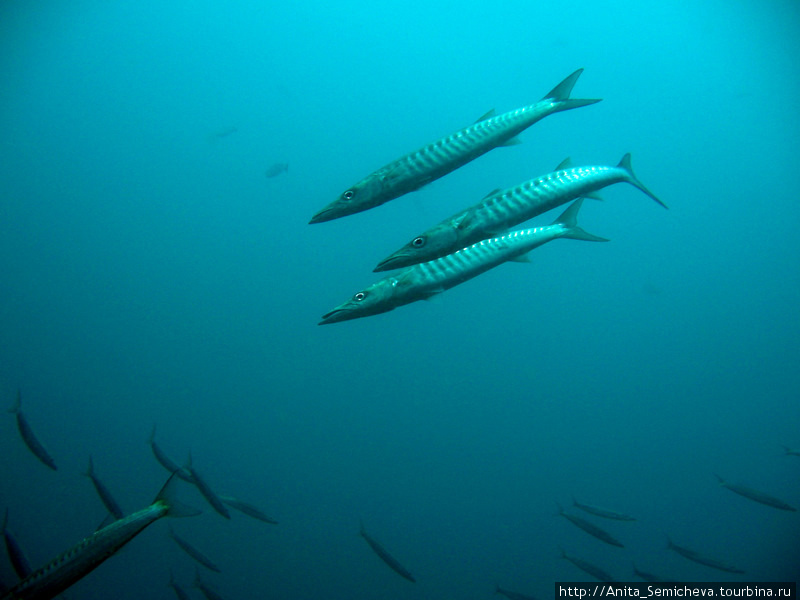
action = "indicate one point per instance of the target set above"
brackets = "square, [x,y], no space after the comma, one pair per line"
[561,93]
[569,219]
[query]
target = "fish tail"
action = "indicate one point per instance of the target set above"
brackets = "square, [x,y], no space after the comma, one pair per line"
[561,93]
[625,165]
[17,404]
[175,508]
[569,219]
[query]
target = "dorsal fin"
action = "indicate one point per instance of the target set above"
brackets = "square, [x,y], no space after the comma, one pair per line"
[564,164]
[487,115]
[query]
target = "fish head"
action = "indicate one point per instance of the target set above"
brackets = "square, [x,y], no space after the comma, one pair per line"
[365,194]
[375,299]
[437,241]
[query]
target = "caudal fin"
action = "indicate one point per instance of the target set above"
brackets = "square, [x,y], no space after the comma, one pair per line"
[569,219]
[625,165]
[175,508]
[561,93]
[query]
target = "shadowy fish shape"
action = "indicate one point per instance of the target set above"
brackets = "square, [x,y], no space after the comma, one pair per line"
[179,591]
[20,562]
[790,451]
[702,560]
[512,595]
[589,568]
[590,528]
[755,495]
[385,556]
[30,439]
[247,509]
[201,585]
[165,461]
[425,280]
[193,552]
[443,156]
[500,210]
[276,169]
[105,495]
[648,576]
[205,490]
[80,560]
[601,512]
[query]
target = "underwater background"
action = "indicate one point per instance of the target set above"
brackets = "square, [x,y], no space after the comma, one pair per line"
[151,273]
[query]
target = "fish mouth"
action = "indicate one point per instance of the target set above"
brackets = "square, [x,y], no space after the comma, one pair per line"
[334,316]
[390,262]
[324,215]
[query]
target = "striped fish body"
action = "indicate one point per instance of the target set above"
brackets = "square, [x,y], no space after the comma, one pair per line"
[59,574]
[447,154]
[424,280]
[504,209]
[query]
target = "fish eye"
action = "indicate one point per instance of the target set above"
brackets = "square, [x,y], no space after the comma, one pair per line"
[348,195]
[418,242]
[359,296]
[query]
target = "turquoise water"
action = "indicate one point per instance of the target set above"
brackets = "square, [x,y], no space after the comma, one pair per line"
[152,273]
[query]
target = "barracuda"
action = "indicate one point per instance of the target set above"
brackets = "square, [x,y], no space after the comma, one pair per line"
[88,554]
[424,280]
[439,158]
[502,209]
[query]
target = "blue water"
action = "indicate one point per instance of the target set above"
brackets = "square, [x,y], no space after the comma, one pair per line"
[151,273]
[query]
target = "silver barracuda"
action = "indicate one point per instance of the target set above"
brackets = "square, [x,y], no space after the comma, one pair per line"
[80,560]
[756,495]
[203,487]
[193,552]
[112,506]
[205,589]
[503,209]
[701,559]
[164,460]
[602,512]
[20,562]
[30,439]
[179,591]
[590,528]
[589,568]
[512,595]
[439,158]
[385,556]
[247,509]
[424,280]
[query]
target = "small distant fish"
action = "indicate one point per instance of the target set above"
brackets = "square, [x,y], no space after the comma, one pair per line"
[193,552]
[276,169]
[179,591]
[204,589]
[385,556]
[648,576]
[512,595]
[590,528]
[700,559]
[601,512]
[589,568]
[205,490]
[790,451]
[30,439]
[222,133]
[80,560]
[247,509]
[165,460]
[755,495]
[418,168]
[105,495]
[20,562]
